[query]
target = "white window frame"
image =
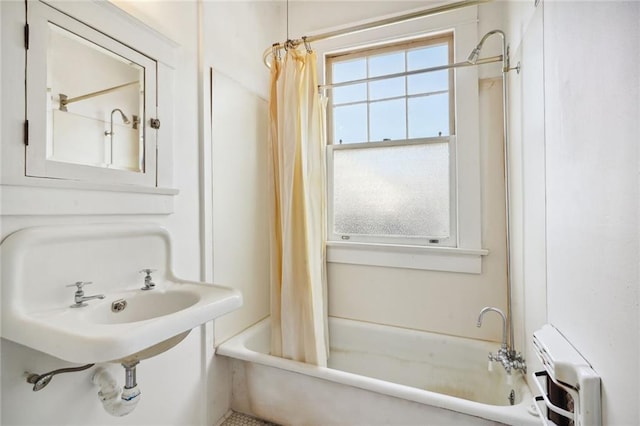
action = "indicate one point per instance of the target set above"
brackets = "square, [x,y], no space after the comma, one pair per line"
[466,254]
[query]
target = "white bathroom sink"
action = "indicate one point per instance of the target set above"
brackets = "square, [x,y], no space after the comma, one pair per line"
[152,322]
[39,263]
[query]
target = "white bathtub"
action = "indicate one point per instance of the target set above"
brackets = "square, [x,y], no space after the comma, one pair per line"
[377,375]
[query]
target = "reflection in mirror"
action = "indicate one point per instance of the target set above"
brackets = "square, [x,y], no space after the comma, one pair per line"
[95,104]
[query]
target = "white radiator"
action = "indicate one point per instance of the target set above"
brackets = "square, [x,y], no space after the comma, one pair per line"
[569,387]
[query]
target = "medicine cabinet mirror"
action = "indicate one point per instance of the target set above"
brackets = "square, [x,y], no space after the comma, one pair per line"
[91,103]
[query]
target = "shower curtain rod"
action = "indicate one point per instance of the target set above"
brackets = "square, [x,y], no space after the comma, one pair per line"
[370,25]
[482,61]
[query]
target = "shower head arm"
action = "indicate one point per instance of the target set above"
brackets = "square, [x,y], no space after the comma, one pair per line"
[475,53]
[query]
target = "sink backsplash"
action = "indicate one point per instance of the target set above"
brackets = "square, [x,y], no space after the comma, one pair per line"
[38,263]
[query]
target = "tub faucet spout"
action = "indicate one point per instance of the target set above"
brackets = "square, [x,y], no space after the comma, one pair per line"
[504,322]
[505,355]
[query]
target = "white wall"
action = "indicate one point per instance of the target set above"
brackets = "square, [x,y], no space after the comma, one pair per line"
[524,29]
[233,154]
[575,111]
[240,222]
[186,385]
[179,22]
[592,111]
[236,33]
[235,36]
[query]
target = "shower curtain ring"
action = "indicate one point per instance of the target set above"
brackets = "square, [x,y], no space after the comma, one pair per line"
[291,44]
[275,51]
[307,45]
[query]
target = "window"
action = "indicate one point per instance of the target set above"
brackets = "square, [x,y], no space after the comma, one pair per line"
[392,144]
[381,94]
[404,154]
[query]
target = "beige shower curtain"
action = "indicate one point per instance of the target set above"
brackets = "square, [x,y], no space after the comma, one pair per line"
[296,180]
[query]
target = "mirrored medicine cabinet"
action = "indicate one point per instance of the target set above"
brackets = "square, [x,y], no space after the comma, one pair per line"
[91,101]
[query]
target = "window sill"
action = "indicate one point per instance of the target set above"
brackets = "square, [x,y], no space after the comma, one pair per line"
[430,258]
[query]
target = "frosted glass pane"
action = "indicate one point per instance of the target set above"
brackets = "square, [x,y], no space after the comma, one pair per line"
[392,191]
[350,124]
[389,63]
[390,88]
[428,82]
[387,120]
[349,70]
[351,93]
[429,116]
[427,57]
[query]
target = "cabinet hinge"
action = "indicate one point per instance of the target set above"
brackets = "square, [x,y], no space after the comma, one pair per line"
[26,36]
[26,132]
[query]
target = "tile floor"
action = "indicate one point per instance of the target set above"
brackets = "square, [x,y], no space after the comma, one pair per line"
[239,419]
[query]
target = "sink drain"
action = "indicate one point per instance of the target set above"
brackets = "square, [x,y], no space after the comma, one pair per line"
[118,305]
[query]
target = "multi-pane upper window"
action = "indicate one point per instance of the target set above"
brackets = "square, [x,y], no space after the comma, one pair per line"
[391,144]
[380,94]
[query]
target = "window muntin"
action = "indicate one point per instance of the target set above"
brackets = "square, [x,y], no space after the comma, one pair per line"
[391,151]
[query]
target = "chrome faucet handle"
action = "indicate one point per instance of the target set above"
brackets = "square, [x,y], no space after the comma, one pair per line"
[79,284]
[148,284]
[519,363]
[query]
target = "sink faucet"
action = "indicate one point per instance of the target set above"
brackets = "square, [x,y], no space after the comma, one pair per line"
[505,355]
[148,284]
[79,296]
